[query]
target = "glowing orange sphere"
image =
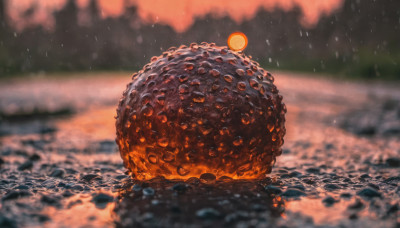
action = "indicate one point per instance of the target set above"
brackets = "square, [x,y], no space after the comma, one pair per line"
[200,109]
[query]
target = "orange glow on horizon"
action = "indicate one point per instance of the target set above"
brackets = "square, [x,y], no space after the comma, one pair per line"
[180,14]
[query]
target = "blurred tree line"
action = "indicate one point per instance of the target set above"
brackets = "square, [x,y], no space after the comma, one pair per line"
[360,39]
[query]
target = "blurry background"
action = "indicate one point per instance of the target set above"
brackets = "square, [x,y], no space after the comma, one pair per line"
[350,38]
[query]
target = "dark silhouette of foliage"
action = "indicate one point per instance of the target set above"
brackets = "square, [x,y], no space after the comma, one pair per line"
[359,39]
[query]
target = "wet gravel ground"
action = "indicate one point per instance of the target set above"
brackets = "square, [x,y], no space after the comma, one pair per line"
[59,165]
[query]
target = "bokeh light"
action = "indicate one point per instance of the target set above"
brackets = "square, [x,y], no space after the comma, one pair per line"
[237,41]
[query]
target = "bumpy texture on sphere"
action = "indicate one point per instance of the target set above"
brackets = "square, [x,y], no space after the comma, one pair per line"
[200,109]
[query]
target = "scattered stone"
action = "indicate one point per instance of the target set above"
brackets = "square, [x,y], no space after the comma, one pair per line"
[308,181]
[273,190]
[236,216]
[22,187]
[15,195]
[353,216]
[329,201]
[26,165]
[299,186]
[77,187]
[148,191]
[258,207]
[136,187]
[392,180]
[180,187]
[357,205]
[295,174]
[313,170]
[331,187]
[50,200]
[369,193]
[102,198]
[34,157]
[208,213]
[121,177]
[346,195]
[393,162]
[58,173]
[6,222]
[67,194]
[365,176]
[293,193]
[373,186]
[90,177]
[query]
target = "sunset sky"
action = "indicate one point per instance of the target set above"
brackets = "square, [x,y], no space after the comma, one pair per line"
[180,14]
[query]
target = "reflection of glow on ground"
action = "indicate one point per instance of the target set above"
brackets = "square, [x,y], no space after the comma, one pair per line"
[84,212]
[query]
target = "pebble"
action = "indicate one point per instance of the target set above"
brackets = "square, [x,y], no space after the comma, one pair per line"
[77,187]
[15,195]
[102,198]
[136,187]
[393,162]
[22,187]
[313,170]
[34,157]
[67,194]
[236,216]
[148,191]
[329,201]
[90,177]
[273,190]
[346,195]
[299,186]
[121,177]
[180,187]
[331,187]
[6,222]
[50,200]
[356,205]
[26,165]
[59,173]
[208,213]
[293,193]
[369,193]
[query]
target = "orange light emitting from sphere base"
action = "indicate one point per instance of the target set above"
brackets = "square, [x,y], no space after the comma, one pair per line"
[237,41]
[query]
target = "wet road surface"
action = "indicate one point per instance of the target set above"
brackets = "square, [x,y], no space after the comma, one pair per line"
[59,164]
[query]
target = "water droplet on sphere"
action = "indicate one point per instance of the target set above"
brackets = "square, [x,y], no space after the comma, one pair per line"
[183,78]
[168,156]
[198,97]
[163,142]
[215,72]
[189,66]
[152,158]
[241,86]
[201,70]
[160,99]
[245,118]
[147,110]
[240,72]
[228,78]
[254,84]
[238,141]
[182,171]
[183,89]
